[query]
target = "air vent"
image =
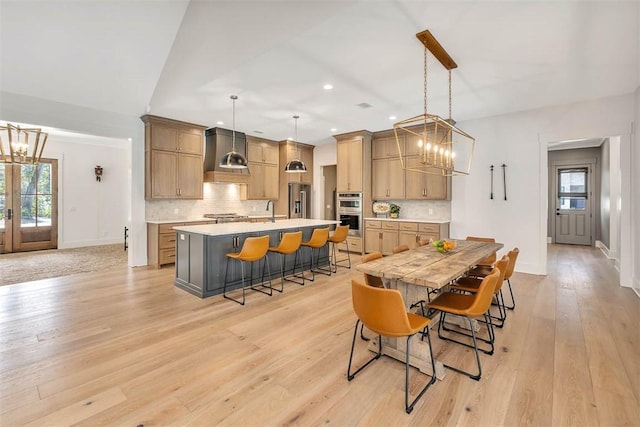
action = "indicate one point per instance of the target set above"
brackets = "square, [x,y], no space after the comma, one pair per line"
[364,105]
[257,131]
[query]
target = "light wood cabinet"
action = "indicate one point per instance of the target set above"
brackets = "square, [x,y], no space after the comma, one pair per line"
[387,179]
[350,165]
[425,186]
[383,236]
[173,159]
[303,152]
[263,159]
[385,147]
[161,242]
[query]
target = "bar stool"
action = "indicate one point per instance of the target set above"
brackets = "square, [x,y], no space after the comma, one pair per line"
[339,235]
[400,248]
[289,244]
[253,249]
[318,240]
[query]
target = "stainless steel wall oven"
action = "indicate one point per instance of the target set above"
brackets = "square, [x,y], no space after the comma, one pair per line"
[349,212]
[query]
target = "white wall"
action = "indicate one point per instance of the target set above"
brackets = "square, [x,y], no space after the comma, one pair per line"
[520,141]
[635,204]
[91,212]
[323,155]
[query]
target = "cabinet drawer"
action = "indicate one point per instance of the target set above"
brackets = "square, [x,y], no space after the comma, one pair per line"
[408,226]
[167,256]
[429,228]
[167,241]
[373,224]
[168,228]
[388,225]
[354,245]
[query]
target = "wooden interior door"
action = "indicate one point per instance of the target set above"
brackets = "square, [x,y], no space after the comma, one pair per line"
[29,198]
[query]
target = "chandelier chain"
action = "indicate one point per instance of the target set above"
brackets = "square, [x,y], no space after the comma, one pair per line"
[425,80]
[449,94]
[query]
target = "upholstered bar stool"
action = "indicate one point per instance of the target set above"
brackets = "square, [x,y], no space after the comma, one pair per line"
[339,236]
[253,249]
[483,271]
[289,244]
[318,240]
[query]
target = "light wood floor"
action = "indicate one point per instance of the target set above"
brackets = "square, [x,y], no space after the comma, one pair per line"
[128,348]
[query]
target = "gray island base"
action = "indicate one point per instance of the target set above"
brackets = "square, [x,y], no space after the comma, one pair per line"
[201,252]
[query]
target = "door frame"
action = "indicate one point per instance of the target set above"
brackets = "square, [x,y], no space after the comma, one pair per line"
[591,164]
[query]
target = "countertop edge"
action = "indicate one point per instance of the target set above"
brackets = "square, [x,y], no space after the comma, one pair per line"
[252,227]
[421,220]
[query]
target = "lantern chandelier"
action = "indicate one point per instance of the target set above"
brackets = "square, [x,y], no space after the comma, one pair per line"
[24,145]
[428,143]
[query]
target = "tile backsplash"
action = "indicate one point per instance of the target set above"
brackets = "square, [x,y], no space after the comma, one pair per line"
[218,198]
[418,209]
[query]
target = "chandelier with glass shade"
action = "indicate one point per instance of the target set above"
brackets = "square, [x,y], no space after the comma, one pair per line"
[21,145]
[428,143]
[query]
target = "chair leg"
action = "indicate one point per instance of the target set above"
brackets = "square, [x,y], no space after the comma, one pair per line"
[335,263]
[350,375]
[265,265]
[297,259]
[475,347]
[362,337]
[409,406]
[321,270]
[513,301]
[444,328]
[224,289]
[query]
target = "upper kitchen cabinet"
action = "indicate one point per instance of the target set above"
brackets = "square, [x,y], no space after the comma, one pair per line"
[387,181]
[173,159]
[353,171]
[263,159]
[290,151]
[423,186]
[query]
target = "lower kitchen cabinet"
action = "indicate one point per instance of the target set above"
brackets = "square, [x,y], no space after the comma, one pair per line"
[161,242]
[381,236]
[384,235]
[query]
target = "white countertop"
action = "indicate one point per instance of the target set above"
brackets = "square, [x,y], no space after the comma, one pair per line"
[171,221]
[427,221]
[252,227]
[281,216]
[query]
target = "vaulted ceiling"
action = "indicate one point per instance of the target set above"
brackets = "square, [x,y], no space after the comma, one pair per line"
[183,59]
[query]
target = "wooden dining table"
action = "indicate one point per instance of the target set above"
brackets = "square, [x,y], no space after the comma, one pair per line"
[415,273]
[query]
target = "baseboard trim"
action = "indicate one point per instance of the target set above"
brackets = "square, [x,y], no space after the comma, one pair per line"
[603,248]
[82,244]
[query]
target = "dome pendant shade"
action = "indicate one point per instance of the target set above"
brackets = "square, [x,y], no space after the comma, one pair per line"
[233,160]
[295,166]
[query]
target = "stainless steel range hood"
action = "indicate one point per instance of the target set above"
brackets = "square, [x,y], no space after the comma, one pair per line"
[219,142]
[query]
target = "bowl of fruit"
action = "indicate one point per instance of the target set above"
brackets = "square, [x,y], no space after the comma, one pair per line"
[444,246]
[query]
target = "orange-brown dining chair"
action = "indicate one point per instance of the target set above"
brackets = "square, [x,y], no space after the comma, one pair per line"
[468,306]
[338,236]
[471,285]
[483,271]
[488,261]
[383,312]
[400,248]
[253,249]
[370,280]
[318,240]
[289,244]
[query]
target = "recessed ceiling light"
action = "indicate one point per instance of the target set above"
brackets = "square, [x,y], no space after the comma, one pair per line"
[290,139]
[219,122]
[333,129]
[327,86]
[392,117]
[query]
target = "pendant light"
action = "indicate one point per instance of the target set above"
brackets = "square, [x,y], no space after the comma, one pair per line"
[296,165]
[233,159]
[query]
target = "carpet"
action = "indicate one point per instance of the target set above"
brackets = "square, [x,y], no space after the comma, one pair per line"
[27,266]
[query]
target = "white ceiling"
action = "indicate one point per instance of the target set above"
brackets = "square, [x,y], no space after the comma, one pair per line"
[183,59]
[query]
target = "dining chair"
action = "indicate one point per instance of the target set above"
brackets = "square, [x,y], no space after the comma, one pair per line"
[253,249]
[483,271]
[383,312]
[469,306]
[400,248]
[370,280]
[488,261]
[471,285]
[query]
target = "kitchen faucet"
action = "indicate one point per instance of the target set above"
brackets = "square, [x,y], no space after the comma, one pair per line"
[273,210]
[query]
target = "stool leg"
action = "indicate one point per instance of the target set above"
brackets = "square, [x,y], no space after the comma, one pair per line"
[325,271]
[224,289]
[261,284]
[297,259]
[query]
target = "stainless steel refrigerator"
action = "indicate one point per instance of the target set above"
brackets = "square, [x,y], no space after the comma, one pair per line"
[299,200]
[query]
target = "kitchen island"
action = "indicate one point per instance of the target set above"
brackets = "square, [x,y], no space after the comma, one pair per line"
[201,252]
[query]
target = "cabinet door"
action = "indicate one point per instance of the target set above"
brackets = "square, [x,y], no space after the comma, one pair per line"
[385,148]
[355,165]
[387,179]
[414,181]
[408,238]
[342,168]
[164,138]
[389,241]
[255,187]
[190,141]
[372,240]
[271,181]
[435,187]
[164,164]
[190,176]
[270,154]
[379,185]
[306,154]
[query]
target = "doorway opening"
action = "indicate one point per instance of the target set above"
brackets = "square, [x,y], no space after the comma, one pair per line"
[330,185]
